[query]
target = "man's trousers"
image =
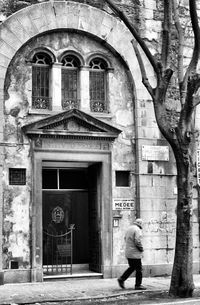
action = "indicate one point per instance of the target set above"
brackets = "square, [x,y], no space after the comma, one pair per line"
[134,265]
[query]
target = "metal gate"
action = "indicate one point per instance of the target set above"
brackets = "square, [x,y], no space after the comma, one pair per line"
[58,252]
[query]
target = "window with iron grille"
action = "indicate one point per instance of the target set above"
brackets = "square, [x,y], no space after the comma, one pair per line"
[70,82]
[122,178]
[40,81]
[17,176]
[98,85]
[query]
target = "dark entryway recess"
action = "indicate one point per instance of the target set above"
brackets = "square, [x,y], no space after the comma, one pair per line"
[71,196]
[94,217]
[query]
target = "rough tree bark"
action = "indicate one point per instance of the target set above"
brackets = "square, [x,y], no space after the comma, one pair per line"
[179,132]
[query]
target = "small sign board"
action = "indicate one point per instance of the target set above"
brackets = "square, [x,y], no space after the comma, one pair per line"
[123,204]
[155,153]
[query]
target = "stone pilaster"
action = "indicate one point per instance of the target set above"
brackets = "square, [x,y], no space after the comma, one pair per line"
[84,89]
[56,88]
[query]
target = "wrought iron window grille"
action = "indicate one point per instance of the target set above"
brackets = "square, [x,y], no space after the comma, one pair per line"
[40,82]
[68,104]
[70,82]
[40,102]
[98,85]
[17,176]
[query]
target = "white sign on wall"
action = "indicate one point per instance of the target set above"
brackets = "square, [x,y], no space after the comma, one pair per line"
[155,153]
[123,204]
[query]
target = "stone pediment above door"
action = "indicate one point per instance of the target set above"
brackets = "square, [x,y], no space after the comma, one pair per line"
[70,124]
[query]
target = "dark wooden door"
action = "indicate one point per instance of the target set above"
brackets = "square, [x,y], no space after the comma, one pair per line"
[94,218]
[79,208]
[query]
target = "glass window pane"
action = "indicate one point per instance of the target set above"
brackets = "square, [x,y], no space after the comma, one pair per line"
[49,179]
[73,179]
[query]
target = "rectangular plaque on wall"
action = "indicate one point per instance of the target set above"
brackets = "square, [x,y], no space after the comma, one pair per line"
[155,153]
[123,204]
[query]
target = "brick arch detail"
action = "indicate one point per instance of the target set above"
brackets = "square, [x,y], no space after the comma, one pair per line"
[40,18]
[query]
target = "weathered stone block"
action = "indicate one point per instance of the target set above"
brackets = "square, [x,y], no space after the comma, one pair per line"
[150,4]
[6,50]
[38,18]
[148,14]
[3,72]
[27,23]
[51,17]
[4,60]
[117,31]
[17,28]
[95,21]
[84,18]
[9,37]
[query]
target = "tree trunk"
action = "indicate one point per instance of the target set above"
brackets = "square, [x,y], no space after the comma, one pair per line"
[182,275]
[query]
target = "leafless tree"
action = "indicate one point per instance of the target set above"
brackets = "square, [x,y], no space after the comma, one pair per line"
[176,126]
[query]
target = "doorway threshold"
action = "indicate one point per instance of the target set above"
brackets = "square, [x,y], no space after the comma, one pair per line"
[74,275]
[78,272]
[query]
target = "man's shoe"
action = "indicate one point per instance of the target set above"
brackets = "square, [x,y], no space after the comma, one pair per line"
[140,287]
[121,283]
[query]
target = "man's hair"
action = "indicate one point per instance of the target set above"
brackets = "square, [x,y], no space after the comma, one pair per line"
[139,221]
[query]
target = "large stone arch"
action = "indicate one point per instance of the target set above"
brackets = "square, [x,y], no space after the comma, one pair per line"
[36,19]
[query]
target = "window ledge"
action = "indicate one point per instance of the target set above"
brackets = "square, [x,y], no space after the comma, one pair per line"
[51,112]
[101,115]
[41,111]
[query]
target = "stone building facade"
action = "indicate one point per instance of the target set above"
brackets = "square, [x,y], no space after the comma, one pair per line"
[79,144]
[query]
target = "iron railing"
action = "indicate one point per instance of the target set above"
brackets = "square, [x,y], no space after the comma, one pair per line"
[58,252]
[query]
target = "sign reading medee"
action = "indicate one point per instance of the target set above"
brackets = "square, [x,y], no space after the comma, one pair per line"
[123,204]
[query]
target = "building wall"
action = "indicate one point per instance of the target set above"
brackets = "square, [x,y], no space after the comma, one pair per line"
[18,111]
[152,182]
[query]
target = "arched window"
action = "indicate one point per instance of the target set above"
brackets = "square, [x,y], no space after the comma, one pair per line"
[40,81]
[98,85]
[70,82]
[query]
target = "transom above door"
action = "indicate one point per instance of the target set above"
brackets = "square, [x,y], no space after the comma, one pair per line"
[62,178]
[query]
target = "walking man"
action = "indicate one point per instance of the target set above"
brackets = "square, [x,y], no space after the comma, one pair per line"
[133,252]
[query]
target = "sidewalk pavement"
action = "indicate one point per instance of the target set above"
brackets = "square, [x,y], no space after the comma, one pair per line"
[77,289]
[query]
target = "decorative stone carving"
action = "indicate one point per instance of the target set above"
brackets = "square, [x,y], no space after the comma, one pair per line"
[73,124]
[60,144]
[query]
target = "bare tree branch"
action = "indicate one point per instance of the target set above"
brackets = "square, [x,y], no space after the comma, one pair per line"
[192,99]
[195,25]
[131,28]
[180,41]
[166,42]
[196,100]
[142,69]
[191,81]
[180,53]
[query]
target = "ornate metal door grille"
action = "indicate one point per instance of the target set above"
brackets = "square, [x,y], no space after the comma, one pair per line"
[58,252]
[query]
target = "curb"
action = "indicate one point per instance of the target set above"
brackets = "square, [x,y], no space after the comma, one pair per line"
[106,297]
